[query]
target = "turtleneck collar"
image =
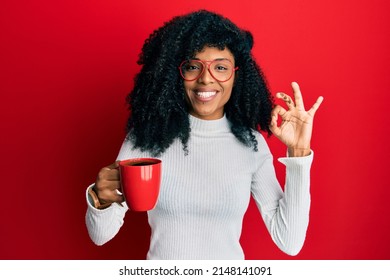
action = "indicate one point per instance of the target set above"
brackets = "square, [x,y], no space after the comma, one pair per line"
[219,125]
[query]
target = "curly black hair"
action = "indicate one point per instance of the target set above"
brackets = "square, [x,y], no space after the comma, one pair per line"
[157,104]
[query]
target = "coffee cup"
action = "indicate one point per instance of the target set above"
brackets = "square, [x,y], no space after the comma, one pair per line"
[140,180]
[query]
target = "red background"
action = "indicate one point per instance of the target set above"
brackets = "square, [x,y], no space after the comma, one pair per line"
[66,67]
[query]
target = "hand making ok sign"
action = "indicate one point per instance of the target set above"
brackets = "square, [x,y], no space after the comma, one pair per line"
[296,127]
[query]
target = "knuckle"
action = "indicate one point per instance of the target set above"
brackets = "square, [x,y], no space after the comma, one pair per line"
[104,198]
[99,186]
[99,178]
[101,174]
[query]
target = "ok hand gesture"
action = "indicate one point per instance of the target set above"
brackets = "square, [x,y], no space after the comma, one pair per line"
[297,123]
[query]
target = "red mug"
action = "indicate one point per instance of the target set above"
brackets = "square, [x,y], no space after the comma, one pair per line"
[140,180]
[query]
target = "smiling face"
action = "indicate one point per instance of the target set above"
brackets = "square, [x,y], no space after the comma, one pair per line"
[206,96]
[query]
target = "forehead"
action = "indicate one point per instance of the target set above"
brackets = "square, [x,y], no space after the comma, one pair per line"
[212,53]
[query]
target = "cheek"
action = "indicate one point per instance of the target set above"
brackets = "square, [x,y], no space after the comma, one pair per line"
[228,88]
[187,86]
[187,89]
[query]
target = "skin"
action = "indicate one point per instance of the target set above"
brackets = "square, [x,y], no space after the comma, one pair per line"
[209,108]
[108,184]
[294,131]
[297,124]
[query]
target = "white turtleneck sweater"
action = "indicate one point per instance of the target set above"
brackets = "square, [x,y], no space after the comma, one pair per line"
[205,194]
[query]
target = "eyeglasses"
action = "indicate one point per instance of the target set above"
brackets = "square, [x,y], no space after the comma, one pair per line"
[220,69]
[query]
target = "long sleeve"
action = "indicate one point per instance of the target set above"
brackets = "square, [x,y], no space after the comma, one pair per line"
[104,224]
[205,194]
[286,214]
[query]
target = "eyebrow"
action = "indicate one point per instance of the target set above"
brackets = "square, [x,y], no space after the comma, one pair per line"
[217,59]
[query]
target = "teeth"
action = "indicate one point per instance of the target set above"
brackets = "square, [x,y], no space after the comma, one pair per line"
[206,94]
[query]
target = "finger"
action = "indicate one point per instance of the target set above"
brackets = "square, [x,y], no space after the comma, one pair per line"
[112,175]
[316,105]
[110,196]
[274,120]
[108,186]
[110,172]
[108,175]
[287,99]
[115,186]
[114,165]
[119,198]
[274,127]
[275,130]
[298,96]
[278,110]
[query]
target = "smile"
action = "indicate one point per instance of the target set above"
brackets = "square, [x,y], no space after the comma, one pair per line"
[206,94]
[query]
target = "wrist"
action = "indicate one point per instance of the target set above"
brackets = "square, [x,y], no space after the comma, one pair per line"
[299,152]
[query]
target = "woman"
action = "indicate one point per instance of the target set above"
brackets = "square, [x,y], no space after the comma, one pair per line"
[198,104]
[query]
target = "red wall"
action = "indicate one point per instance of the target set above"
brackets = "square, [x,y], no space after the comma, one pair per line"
[66,67]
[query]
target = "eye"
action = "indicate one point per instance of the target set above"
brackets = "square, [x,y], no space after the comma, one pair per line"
[192,66]
[221,68]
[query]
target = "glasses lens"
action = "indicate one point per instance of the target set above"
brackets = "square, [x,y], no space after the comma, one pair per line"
[191,69]
[221,70]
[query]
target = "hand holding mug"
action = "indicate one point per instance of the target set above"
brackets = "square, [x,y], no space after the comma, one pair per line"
[108,186]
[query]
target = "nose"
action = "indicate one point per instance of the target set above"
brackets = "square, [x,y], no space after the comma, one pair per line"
[206,76]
